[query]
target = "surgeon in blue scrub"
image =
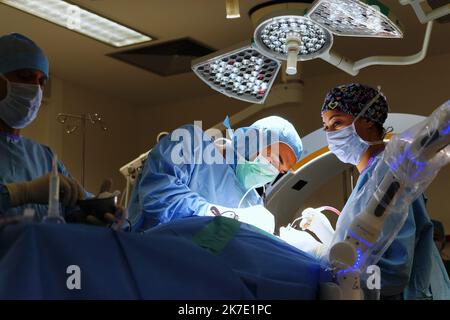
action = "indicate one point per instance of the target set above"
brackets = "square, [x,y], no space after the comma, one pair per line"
[211,175]
[353,116]
[25,164]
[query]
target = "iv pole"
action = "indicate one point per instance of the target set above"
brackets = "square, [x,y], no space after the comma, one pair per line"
[71,128]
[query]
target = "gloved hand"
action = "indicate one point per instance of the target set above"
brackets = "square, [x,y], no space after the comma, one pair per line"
[115,219]
[37,191]
[302,240]
[315,221]
[256,215]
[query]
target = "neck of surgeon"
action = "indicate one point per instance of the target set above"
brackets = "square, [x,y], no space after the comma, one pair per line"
[7,129]
[373,151]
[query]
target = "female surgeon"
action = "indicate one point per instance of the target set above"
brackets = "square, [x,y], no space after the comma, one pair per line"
[353,116]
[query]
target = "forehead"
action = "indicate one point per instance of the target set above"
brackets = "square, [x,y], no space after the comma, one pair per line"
[327,115]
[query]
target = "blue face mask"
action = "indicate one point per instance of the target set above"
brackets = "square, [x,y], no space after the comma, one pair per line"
[257,173]
[346,144]
[21,105]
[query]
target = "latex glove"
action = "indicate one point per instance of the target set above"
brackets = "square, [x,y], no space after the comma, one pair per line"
[302,240]
[257,216]
[315,221]
[37,191]
[116,219]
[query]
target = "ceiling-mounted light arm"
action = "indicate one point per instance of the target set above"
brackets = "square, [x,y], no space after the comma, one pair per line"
[353,68]
[423,16]
[392,60]
[293,42]
[340,62]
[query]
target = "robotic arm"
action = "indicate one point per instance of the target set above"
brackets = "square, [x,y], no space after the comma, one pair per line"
[413,160]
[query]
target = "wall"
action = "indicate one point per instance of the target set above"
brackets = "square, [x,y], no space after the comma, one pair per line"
[417,89]
[106,151]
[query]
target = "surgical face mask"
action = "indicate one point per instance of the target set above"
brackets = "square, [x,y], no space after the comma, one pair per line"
[21,105]
[257,173]
[346,144]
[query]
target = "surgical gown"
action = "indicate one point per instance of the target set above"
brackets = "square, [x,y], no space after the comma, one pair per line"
[166,191]
[412,264]
[22,159]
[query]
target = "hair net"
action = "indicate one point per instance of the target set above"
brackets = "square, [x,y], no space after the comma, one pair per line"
[273,130]
[352,98]
[18,52]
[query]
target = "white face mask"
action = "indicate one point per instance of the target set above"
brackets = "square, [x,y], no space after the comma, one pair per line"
[21,105]
[346,144]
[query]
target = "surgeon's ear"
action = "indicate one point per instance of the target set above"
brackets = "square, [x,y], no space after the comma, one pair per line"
[366,124]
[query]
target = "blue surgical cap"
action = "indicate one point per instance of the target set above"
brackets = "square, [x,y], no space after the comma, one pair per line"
[18,52]
[281,130]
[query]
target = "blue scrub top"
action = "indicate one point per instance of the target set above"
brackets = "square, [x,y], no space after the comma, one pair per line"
[412,264]
[22,159]
[166,191]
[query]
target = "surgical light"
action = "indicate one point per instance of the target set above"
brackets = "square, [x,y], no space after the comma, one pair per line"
[294,31]
[85,22]
[292,38]
[363,18]
[244,73]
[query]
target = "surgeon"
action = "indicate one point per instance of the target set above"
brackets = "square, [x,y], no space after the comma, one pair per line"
[25,164]
[190,173]
[353,116]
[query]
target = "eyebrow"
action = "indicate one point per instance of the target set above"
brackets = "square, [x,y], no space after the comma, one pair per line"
[333,116]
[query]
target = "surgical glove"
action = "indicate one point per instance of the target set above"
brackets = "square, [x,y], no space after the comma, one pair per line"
[315,221]
[258,216]
[37,191]
[302,240]
[115,219]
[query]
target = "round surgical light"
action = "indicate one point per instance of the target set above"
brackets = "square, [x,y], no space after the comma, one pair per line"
[272,35]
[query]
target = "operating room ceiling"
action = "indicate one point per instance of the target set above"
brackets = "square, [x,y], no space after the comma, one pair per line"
[81,60]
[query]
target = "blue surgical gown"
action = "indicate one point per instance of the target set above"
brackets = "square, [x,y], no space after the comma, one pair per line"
[411,265]
[22,159]
[166,191]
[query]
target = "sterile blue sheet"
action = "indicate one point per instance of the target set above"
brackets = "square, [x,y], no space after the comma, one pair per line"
[167,262]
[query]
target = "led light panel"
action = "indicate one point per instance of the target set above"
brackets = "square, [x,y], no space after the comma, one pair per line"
[367,18]
[75,18]
[270,37]
[244,74]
